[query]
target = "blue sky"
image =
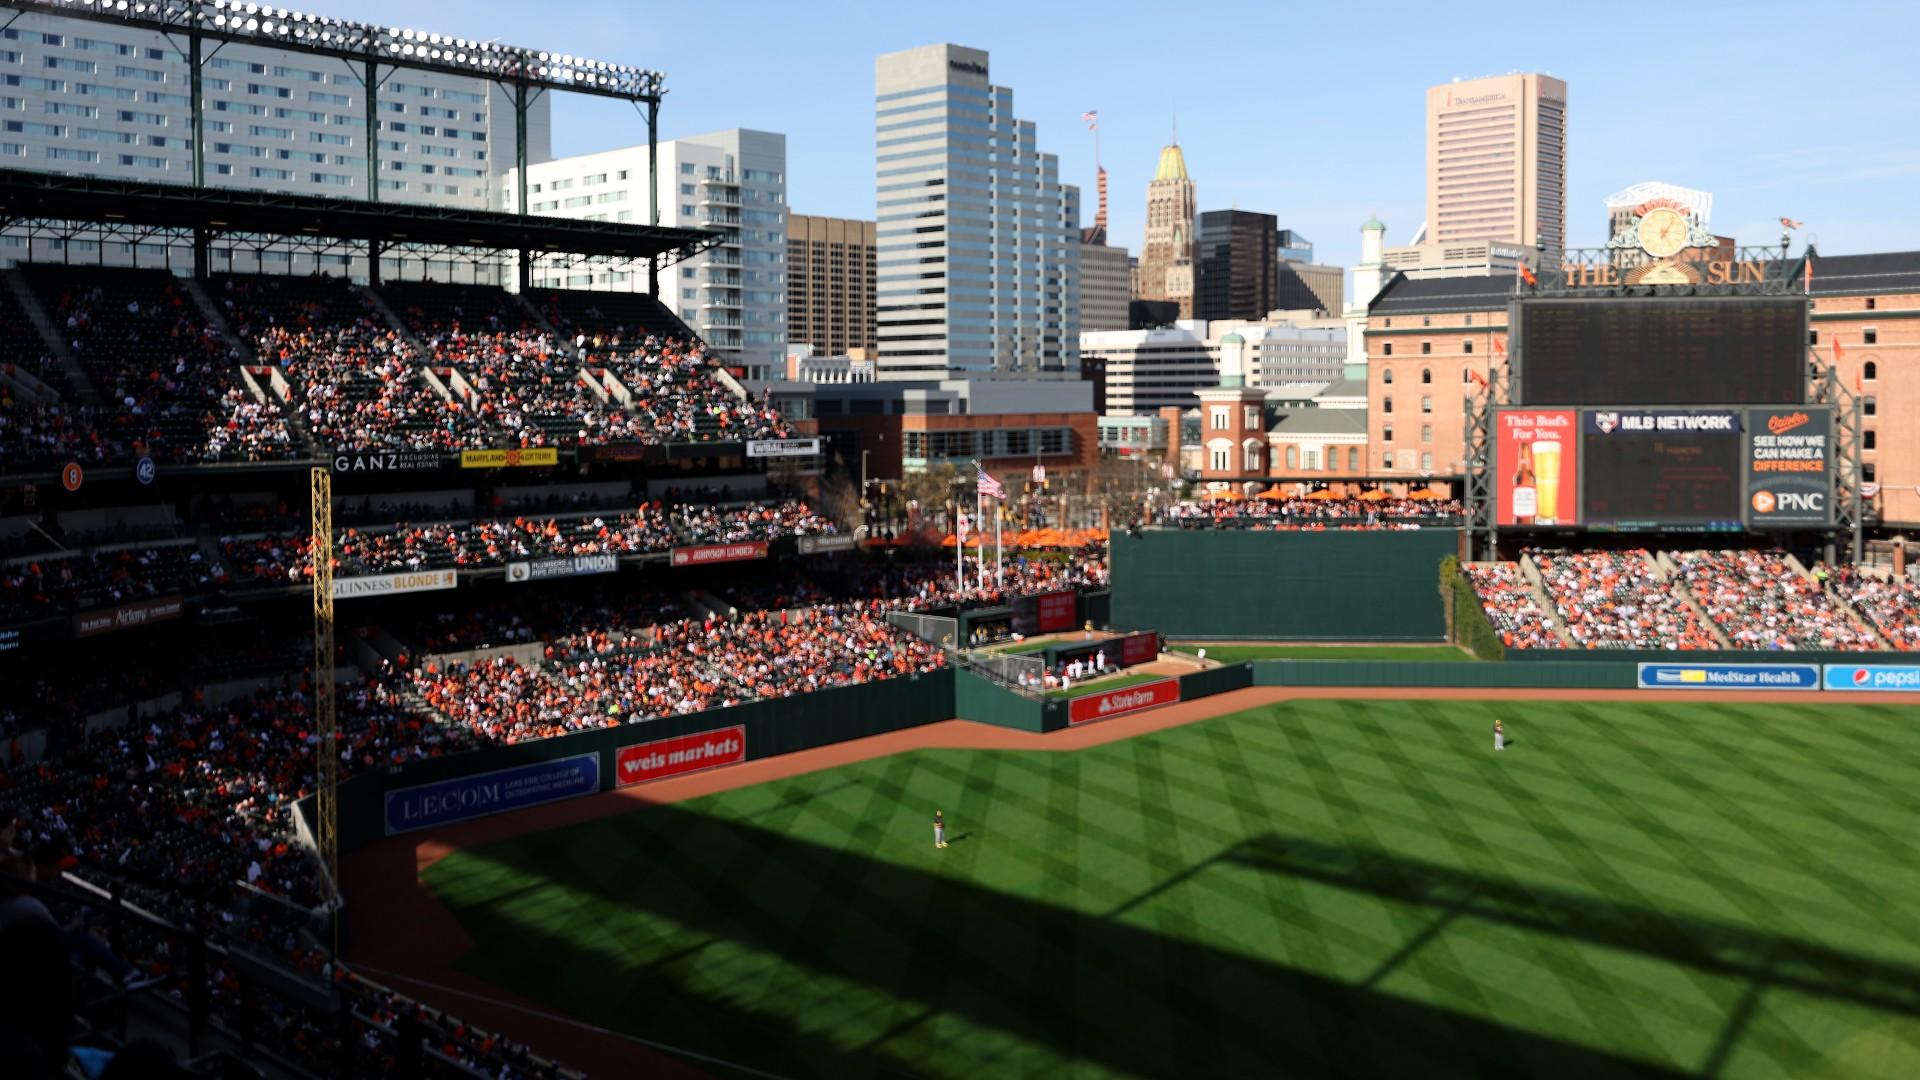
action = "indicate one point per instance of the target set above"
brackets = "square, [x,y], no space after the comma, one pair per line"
[1312,112]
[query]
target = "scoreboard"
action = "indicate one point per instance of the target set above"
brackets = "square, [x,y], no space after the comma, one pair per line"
[1650,469]
[1661,351]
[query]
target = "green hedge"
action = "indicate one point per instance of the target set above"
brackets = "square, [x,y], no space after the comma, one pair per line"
[1467,624]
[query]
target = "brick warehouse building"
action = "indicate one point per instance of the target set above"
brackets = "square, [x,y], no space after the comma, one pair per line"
[1423,337]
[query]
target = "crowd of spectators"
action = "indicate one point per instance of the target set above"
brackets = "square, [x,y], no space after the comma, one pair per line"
[1309,513]
[602,678]
[652,528]
[1890,603]
[1618,600]
[1509,602]
[916,586]
[1759,601]
[49,585]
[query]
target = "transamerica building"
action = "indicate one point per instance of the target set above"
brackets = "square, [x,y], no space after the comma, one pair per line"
[977,267]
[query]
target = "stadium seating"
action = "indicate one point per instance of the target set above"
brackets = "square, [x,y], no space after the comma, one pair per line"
[169,385]
[1509,602]
[42,421]
[1310,513]
[1890,603]
[1759,601]
[1618,600]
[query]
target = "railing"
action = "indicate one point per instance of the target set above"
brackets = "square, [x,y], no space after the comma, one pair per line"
[933,629]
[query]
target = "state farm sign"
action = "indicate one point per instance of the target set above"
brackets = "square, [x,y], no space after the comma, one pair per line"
[660,758]
[1119,702]
[718,553]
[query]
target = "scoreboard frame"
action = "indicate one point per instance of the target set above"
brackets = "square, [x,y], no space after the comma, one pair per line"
[1517,346]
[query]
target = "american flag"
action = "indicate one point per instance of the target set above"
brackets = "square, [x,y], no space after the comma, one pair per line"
[990,487]
[1789,223]
[1092,117]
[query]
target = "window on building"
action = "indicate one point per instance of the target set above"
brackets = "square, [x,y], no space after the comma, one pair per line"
[1386,433]
[1386,405]
[1293,458]
[1870,371]
[1870,406]
[1469,321]
[1353,459]
[1426,463]
[1871,303]
[1218,418]
[1466,375]
[1813,337]
[1426,320]
[1426,433]
[1250,458]
[1386,348]
[1466,345]
[1386,376]
[1870,336]
[1426,348]
[1251,417]
[1867,471]
[1386,459]
[1426,376]
[1426,404]
[1869,440]
[1220,459]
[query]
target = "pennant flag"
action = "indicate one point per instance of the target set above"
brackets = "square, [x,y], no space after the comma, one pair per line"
[1809,278]
[990,487]
[1499,346]
[1526,275]
[1839,353]
[1789,223]
[1478,379]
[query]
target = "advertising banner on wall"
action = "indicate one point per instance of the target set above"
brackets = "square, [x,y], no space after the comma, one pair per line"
[815,545]
[1789,458]
[1536,460]
[127,616]
[1729,676]
[1044,613]
[1895,677]
[359,461]
[390,584]
[578,566]
[645,761]
[766,448]
[530,457]
[719,553]
[1140,648]
[1120,702]
[444,802]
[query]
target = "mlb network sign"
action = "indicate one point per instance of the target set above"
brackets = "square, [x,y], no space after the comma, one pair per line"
[1120,702]
[1729,676]
[1873,677]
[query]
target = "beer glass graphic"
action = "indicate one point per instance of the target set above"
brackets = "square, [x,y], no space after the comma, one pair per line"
[1546,479]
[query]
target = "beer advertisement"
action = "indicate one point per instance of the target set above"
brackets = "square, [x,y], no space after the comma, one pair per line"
[1536,457]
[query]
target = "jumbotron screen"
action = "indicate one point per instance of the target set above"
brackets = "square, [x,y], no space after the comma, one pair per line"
[1651,351]
[1661,468]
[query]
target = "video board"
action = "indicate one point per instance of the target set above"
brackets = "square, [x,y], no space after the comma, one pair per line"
[1664,469]
[1661,351]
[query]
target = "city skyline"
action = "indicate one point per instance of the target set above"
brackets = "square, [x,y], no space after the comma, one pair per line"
[1765,145]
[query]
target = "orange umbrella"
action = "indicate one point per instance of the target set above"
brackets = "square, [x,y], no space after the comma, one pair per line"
[1321,496]
[1376,495]
[1273,494]
[1224,495]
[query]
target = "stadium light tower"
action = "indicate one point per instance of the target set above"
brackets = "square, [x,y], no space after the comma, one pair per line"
[523,74]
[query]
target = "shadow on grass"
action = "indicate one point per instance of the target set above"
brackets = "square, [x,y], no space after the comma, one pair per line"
[1090,988]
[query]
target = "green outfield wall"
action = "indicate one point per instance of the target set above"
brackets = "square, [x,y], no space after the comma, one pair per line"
[987,702]
[1235,584]
[1491,675]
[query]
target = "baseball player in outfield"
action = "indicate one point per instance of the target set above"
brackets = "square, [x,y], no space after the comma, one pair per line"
[1499,736]
[939,830]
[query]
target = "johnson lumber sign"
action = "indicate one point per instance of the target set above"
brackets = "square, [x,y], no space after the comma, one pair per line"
[719,553]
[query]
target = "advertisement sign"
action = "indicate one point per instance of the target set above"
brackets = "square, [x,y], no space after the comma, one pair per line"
[578,566]
[1536,458]
[1661,468]
[447,801]
[719,553]
[509,459]
[144,471]
[390,584]
[1789,455]
[813,545]
[1120,702]
[645,761]
[766,448]
[358,461]
[1729,677]
[1044,613]
[1139,648]
[1874,677]
[127,616]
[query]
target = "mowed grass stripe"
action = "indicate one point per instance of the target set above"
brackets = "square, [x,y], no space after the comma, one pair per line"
[1341,887]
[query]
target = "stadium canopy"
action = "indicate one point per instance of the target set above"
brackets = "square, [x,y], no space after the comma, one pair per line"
[36,196]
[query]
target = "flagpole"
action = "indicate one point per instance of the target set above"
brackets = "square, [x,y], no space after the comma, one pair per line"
[999,575]
[979,508]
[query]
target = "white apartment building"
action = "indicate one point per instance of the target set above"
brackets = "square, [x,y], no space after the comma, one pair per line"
[1148,370]
[733,295]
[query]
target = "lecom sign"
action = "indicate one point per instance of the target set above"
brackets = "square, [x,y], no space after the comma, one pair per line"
[1120,702]
[645,761]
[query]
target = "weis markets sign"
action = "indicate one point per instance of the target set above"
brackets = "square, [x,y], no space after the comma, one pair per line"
[391,584]
[127,616]
[578,566]
[447,801]
[719,553]
[660,758]
[1120,702]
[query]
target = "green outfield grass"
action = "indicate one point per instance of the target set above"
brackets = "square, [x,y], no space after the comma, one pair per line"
[1309,889]
[1023,646]
[1233,654]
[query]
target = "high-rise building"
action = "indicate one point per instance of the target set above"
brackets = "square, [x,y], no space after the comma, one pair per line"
[830,283]
[1306,286]
[1167,259]
[1239,268]
[1497,161]
[978,268]
[96,99]
[735,181]
[1144,371]
[1294,247]
[1106,287]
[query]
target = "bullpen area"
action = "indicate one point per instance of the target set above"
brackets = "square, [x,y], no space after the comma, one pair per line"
[1273,881]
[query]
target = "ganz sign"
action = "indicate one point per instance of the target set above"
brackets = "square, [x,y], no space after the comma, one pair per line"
[347,461]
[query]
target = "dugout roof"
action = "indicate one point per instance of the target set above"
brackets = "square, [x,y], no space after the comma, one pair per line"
[42,196]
